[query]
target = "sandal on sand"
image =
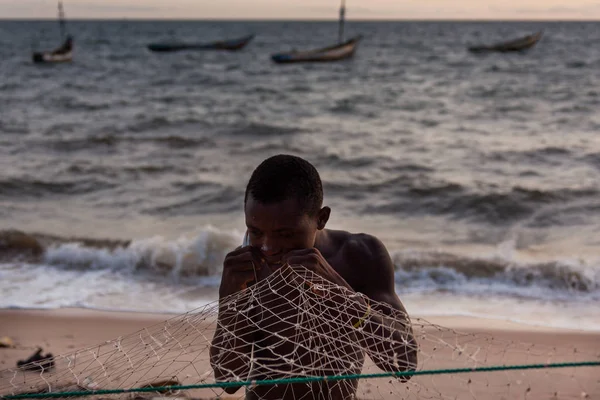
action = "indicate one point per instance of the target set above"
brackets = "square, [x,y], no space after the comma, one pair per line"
[37,361]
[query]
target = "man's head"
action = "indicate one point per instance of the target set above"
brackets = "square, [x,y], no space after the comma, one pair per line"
[283,205]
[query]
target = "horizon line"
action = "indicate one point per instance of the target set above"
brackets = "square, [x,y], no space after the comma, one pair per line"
[141,19]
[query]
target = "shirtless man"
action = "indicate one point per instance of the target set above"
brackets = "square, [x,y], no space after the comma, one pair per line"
[285,222]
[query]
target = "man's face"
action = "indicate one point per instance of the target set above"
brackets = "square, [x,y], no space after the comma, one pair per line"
[279,227]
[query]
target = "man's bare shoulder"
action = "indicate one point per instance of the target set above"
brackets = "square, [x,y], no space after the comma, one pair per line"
[357,246]
[367,265]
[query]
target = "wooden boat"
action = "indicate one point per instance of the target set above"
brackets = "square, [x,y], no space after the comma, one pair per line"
[62,54]
[341,51]
[521,44]
[65,52]
[332,53]
[228,45]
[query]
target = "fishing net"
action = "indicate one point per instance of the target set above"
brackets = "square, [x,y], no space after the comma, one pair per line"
[297,336]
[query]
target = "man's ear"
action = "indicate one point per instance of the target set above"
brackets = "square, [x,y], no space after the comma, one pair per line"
[323,217]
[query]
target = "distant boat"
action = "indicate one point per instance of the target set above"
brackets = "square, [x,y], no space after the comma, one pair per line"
[65,52]
[332,53]
[340,51]
[228,45]
[521,44]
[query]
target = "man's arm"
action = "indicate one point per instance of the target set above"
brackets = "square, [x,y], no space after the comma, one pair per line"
[231,347]
[389,340]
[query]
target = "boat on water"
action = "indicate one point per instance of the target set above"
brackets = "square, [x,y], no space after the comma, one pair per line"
[62,54]
[341,51]
[227,45]
[516,45]
[333,53]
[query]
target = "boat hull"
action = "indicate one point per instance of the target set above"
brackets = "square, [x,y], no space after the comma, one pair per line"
[51,58]
[517,45]
[226,45]
[328,54]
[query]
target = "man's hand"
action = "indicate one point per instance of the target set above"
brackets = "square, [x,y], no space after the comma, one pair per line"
[242,268]
[313,260]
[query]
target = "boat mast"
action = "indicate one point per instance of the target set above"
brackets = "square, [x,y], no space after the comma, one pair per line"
[342,15]
[61,19]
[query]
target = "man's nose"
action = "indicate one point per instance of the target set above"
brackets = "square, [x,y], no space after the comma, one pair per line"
[270,247]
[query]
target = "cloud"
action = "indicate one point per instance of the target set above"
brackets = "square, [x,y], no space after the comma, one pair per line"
[587,10]
[108,8]
[333,12]
[47,9]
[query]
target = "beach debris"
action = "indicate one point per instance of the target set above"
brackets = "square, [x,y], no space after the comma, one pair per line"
[169,398]
[138,397]
[43,388]
[37,361]
[168,393]
[162,384]
[88,383]
[6,342]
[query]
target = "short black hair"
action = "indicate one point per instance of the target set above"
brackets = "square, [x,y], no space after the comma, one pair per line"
[284,176]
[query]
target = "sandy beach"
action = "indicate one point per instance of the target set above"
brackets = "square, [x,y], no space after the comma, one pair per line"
[498,343]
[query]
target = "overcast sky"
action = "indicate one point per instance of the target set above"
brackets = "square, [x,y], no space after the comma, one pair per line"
[306,9]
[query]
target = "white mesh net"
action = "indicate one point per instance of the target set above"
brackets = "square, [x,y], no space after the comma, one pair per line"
[297,325]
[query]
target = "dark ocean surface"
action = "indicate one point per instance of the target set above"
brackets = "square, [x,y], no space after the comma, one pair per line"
[479,172]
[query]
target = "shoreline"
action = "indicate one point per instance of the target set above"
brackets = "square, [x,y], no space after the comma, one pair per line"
[456,321]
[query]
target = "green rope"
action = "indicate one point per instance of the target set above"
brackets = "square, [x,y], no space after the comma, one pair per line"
[302,380]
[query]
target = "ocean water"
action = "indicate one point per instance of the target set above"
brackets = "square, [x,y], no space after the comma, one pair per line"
[479,173]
